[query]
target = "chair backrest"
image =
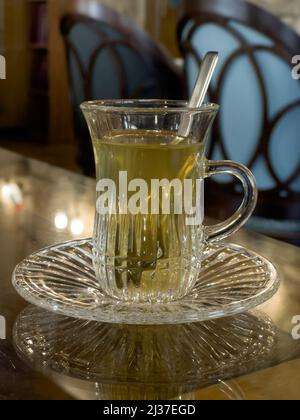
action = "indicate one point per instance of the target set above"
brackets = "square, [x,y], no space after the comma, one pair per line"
[259,121]
[109,57]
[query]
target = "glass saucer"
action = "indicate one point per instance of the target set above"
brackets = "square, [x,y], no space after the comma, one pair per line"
[61,278]
[144,362]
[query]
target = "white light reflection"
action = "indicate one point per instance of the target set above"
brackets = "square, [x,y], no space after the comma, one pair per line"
[77,227]
[61,220]
[6,191]
[11,192]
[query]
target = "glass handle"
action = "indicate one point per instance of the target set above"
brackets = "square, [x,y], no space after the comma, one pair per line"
[242,215]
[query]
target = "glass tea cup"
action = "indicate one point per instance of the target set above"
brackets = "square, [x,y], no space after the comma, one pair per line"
[149,234]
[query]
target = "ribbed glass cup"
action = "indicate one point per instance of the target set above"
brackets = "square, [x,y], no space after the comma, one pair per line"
[149,233]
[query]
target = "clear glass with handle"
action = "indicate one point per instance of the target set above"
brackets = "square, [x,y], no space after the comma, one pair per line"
[149,233]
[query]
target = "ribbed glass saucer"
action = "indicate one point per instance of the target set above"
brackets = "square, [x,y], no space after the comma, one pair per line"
[61,278]
[121,356]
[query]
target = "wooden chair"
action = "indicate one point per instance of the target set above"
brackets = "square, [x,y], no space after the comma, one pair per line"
[259,121]
[109,57]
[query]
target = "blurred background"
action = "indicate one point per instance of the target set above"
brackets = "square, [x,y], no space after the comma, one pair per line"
[61,52]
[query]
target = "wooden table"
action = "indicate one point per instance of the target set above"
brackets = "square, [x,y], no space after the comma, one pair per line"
[32,195]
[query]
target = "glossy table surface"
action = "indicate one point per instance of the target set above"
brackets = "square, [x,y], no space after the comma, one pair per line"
[178,362]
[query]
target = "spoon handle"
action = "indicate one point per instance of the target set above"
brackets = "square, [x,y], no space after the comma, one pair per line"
[207,69]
